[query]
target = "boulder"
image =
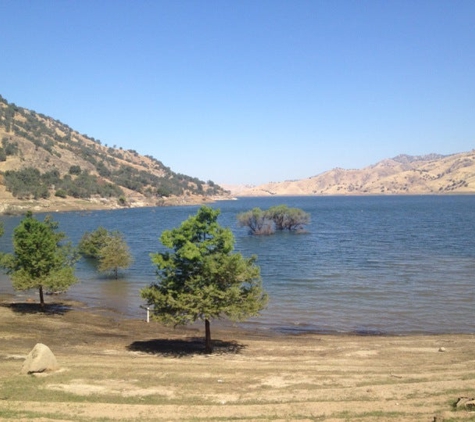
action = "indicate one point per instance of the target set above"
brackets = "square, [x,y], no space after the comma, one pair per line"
[40,359]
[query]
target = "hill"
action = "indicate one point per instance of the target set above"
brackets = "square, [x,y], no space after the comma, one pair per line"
[45,164]
[401,175]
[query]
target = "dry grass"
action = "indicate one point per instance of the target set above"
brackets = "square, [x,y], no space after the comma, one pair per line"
[130,371]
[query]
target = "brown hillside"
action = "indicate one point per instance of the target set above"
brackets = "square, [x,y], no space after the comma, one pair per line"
[80,172]
[402,175]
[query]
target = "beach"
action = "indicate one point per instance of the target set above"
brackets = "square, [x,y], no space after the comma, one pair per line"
[124,369]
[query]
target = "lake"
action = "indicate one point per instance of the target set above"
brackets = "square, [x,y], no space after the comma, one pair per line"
[379,264]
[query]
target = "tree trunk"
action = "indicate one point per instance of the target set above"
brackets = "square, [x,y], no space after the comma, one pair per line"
[208,347]
[42,299]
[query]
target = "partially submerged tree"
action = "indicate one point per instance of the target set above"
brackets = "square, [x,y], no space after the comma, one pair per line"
[202,279]
[114,254]
[279,217]
[256,220]
[39,260]
[286,218]
[108,247]
[92,242]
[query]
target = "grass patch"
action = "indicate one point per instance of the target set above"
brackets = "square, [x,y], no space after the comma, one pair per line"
[456,419]
[14,415]
[350,416]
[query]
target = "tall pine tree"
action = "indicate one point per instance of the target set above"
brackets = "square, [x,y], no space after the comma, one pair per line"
[203,279]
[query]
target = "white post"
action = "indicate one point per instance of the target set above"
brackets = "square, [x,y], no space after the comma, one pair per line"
[147,308]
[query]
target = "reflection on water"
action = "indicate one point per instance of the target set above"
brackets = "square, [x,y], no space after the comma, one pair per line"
[115,293]
[365,264]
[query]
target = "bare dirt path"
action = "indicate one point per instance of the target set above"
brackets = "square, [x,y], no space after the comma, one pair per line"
[128,370]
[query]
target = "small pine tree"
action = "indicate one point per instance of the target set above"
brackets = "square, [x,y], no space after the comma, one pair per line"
[114,254]
[39,260]
[92,242]
[202,279]
[108,247]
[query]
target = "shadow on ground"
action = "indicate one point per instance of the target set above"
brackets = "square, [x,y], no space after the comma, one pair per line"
[36,308]
[184,347]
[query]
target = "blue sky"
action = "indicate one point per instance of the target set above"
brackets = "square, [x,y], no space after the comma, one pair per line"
[249,91]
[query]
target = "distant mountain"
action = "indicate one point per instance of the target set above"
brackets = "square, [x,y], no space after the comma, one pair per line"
[48,165]
[401,175]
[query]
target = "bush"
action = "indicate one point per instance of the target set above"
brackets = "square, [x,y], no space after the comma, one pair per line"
[75,170]
[256,220]
[61,193]
[280,217]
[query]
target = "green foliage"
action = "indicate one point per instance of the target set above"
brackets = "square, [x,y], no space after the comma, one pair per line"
[11,148]
[202,279]
[114,254]
[279,217]
[102,169]
[256,220]
[286,218]
[26,183]
[39,260]
[75,170]
[108,247]
[29,182]
[92,242]
[61,193]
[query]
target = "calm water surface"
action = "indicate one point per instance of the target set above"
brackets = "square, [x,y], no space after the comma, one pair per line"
[365,264]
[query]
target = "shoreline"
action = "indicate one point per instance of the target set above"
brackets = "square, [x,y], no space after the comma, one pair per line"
[11,206]
[126,370]
[222,325]
[14,207]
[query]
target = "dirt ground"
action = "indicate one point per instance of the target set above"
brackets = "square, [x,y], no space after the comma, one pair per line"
[128,370]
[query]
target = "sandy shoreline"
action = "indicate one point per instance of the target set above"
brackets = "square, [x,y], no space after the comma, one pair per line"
[124,369]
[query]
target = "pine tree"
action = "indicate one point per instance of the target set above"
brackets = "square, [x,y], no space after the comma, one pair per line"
[39,260]
[108,247]
[202,279]
[114,254]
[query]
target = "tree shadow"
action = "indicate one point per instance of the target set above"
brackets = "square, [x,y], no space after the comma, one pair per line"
[184,347]
[36,308]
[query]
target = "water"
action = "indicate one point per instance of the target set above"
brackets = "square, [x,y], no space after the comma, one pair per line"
[402,264]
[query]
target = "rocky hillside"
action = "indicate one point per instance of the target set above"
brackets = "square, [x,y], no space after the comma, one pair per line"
[404,174]
[45,163]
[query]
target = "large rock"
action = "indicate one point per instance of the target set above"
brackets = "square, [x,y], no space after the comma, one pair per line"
[40,359]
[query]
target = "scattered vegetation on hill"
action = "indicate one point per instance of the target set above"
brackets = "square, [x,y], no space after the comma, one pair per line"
[43,157]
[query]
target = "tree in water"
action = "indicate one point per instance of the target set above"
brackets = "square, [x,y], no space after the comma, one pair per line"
[256,220]
[92,242]
[114,254]
[108,248]
[279,217]
[202,279]
[40,261]
[286,218]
